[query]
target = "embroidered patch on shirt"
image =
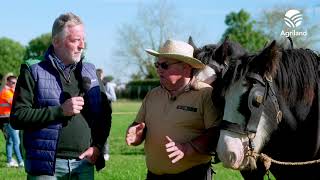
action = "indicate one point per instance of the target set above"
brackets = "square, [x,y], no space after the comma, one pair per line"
[187,108]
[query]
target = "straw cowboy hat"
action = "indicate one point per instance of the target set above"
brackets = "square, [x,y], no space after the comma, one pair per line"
[178,50]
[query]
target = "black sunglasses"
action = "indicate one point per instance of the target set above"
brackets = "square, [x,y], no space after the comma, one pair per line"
[164,65]
[12,82]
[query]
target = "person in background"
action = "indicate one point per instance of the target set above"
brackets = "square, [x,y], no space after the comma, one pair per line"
[100,74]
[3,117]
[110,89]
[60,105]
[4,79]
[12,139]
[177,120]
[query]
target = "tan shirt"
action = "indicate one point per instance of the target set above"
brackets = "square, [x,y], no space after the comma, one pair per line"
[182,119]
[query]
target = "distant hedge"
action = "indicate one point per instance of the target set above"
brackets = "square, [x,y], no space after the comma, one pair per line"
[138,89]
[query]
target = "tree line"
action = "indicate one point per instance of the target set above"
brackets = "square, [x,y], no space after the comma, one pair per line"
[12,53]
[157,22]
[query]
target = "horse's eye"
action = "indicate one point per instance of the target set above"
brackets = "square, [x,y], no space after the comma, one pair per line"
[257,98]
[245,84]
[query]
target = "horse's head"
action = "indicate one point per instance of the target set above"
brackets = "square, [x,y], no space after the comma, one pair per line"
[206,55]
[216,58]
[251,109]
[227,52]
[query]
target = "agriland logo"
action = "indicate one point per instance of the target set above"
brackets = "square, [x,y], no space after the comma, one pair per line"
[293,18]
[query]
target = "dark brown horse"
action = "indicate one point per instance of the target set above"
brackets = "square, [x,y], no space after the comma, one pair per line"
[210,55]
[272,107]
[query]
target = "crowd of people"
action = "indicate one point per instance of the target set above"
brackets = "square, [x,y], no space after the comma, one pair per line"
[62,105]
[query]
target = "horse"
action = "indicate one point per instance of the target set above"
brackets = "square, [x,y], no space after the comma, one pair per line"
[217,58]
[271,106]
[209,55]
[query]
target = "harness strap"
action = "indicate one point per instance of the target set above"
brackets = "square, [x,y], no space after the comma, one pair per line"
[253,123]
[256,113]
[256,77]
[274,99]
[234,127]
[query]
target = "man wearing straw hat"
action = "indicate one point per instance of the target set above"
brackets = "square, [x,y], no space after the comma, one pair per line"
[177,120]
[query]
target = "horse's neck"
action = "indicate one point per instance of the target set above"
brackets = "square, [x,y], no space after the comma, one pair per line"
[300,134]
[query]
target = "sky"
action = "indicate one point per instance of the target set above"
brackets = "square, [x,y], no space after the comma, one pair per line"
[23,21]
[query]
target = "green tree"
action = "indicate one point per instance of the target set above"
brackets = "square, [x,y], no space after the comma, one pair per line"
[242,29]
[154,24]
[11,56]
[272,24]
[37,46]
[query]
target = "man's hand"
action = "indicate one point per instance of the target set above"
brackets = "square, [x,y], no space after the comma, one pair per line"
[72,106]
[135,134]
[177,151]
[91,154]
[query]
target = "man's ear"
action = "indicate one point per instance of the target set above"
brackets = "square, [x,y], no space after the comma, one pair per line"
[56,41]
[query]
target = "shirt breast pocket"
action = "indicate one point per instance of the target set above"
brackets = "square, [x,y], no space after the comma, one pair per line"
[189,117]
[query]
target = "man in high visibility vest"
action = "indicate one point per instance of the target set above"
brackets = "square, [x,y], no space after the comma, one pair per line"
[13,140]
[6,95]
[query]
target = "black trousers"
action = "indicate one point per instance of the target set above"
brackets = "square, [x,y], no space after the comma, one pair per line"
[200,172]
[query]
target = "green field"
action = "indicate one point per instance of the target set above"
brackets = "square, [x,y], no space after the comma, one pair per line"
[126,163]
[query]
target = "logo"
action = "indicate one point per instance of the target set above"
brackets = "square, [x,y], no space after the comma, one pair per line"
[293,18]
[187,108]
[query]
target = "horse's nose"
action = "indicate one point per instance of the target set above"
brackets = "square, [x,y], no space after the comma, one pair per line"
[234,159]
[230,151]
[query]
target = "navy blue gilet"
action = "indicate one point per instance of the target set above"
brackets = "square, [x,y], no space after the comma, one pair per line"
[41,144]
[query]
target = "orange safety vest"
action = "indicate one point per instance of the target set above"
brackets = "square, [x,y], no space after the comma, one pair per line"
[6,95]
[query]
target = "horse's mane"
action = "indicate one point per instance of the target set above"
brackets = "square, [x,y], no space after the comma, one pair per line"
[297,74]
[206,53]
[218,52]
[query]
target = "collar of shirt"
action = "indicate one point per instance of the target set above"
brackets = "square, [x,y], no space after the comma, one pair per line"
[190,86]
[61,65]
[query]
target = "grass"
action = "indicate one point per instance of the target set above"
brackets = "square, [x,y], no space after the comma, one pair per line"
[126,163]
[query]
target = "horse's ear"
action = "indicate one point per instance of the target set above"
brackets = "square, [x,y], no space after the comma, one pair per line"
[190,41]
[226,39]
[221,53]
[268,60]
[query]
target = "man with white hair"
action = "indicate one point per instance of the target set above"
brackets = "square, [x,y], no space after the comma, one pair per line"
[177,120]
[60,105]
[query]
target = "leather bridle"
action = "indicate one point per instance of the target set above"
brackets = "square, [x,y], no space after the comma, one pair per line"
[261,90]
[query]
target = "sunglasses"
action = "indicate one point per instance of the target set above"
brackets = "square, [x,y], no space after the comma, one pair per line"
[164,65]
[12,82]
